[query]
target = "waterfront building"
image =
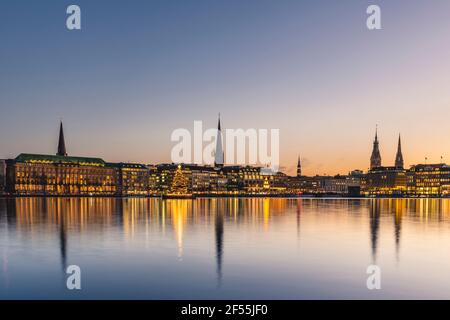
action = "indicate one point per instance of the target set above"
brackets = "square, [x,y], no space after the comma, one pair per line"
[385,181]
[343,184]
[36,174]
[304,185]
[278,183]
[249,180]
[234,185]
[132,179]
[165,174]
[201,179]
[208,180]
[153,179]
[245,179]
[299,168]
[59,175]
[431,180]
[2,176]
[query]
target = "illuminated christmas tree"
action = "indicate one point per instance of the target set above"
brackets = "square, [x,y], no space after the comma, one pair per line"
[179,182]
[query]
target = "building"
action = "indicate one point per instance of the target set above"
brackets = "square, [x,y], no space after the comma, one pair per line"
[166,184]
[304,185]
[132,179]
[348,185]
[385,181]
[430,180]
[278,183]
[219,154]
[208,180]
[299,168]
[48,175]
[153,180]
[2,176]
[245,179]
[399,156]
[375,159]
[59,175]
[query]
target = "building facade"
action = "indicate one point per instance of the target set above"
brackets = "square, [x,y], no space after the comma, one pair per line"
[430,180]
[375,158]
[132,179]
[47,175]
[385,181]
[2,176]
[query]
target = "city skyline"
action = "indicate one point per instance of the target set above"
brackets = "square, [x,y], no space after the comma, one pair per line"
[176,65]
[380,161]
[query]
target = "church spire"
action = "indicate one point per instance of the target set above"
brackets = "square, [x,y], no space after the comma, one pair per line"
[399,156]
[218,159]
[299,167]
[61,143]
[375,159]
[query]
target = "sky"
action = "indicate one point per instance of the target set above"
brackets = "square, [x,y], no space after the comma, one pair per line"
[140,69]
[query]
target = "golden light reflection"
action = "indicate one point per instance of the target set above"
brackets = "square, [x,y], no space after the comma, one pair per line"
[139,219]
[266,208]
[178,211]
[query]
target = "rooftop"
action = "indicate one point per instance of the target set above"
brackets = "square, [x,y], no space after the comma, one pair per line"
[42,158]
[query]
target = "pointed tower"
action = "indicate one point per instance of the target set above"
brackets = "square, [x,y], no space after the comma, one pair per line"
[375,159]
[299,168]
[218,159]
[399,156]
[61,144]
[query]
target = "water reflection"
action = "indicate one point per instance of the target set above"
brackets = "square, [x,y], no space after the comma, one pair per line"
[299,214]
[261,227]
[374,228]
[219,243]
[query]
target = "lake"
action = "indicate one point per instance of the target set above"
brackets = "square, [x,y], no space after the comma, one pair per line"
[228,248]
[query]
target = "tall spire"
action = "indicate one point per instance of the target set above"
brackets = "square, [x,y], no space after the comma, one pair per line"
[399,156]
[375,159]
[299,167]
[218,159]
[61,143]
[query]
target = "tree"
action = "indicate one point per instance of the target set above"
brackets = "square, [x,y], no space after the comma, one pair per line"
[179,182]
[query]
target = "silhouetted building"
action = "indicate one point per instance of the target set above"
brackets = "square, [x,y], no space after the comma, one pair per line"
[219,155]
[383,180]
[299,167]
[375,159]
[62,152]
[2,176]
[399,156]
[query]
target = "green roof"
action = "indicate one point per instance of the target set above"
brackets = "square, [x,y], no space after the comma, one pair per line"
[42,158]
[126,165]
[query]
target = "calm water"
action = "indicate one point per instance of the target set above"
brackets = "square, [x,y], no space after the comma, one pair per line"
[224,248]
